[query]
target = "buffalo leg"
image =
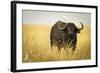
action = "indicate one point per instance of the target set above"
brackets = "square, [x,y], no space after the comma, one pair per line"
[51,44]
[73,49]
[59,48]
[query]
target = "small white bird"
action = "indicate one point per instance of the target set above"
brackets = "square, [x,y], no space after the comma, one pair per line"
[64,19]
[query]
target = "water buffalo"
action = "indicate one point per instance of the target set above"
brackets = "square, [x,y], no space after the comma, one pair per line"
[64,35]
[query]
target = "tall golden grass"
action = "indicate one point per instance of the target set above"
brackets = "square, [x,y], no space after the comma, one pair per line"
[36,45]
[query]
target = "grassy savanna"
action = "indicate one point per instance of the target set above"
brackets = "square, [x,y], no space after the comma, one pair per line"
[36,45]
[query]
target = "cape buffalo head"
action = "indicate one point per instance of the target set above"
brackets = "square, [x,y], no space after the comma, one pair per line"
[69,27]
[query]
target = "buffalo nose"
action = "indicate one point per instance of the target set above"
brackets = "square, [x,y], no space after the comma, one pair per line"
[70,32]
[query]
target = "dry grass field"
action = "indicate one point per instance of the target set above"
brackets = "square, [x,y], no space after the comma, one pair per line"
[36,45]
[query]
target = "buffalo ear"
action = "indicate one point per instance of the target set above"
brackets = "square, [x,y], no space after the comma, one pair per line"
[77,31]
[61,25]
